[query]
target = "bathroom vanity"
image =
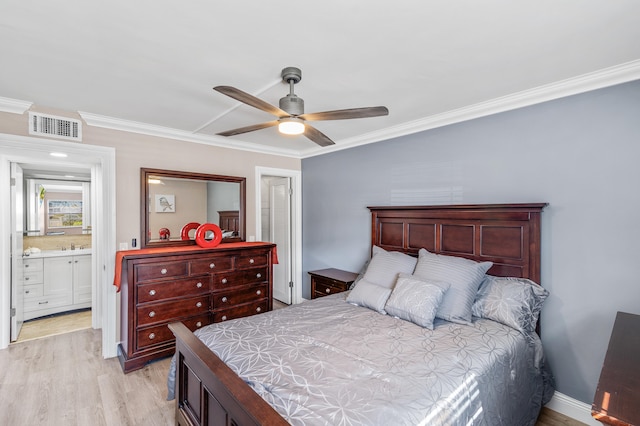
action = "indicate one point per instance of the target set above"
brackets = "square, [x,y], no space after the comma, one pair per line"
[56,281]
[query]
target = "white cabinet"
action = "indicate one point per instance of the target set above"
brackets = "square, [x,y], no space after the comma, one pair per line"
[82,280]
[62,284]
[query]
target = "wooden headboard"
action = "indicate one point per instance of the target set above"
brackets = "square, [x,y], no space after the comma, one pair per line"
[506,234]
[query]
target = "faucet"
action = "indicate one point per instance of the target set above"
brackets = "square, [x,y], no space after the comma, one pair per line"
[73,246]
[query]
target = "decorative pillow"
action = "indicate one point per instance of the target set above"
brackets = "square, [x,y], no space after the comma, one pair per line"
[462,274]
[416,300]
[385,266]
[360,275]
[369,295]
[515,302]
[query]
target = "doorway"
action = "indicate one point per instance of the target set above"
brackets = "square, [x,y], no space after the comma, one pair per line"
[51,249]
[101,161]
[278,220]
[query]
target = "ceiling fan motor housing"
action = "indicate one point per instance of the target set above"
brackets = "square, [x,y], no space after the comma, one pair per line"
[292,104]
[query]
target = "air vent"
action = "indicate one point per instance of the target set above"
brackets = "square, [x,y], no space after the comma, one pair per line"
[55,127]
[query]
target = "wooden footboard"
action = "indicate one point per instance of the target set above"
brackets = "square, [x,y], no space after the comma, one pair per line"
[210,393]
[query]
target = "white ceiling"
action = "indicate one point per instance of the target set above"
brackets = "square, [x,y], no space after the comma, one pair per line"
[150,65]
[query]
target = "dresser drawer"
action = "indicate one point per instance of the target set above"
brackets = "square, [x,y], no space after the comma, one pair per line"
[33,277]
[154,271]
[230,279]
[251,261]
[327,287]
[229,298]
[162,290]
[160,312]
[256,275]
[159,334]
[240,311]
[211,265]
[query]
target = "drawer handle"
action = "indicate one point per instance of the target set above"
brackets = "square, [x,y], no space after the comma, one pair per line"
[212,265]
[259,292]
[251,261]
[26,292]
[26,266]
[224,299]
[26,278]
[199,305]
[258,275]
[224,318]
[199,285]
[199,324]
[152,336]
[224,281]
[152,292]
[163,271]
[43,303]
[152,314]
[328,290]
[258,309]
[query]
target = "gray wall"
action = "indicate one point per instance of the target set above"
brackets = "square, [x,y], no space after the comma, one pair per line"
[580,154]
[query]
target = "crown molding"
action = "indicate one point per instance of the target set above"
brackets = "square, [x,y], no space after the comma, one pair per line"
[607,77]
[170,133]
[14,106]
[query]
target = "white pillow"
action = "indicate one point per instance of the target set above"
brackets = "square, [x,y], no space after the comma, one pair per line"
[385,266]
[416,300]
[462,274]
[369,295]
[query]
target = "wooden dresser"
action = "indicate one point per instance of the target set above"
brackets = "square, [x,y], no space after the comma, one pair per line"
[188,284]
[617,398]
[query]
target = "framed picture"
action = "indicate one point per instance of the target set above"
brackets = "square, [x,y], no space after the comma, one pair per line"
[64,213]
[165,203]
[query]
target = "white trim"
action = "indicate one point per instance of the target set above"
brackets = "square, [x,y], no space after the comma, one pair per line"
[167,132]
[296,202]
[101,159]
[572,86]
[573,408]
[14,106]
[618,74]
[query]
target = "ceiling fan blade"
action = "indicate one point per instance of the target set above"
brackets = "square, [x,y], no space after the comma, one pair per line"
[317,136]
[343,114]
[247,129]
[250,100]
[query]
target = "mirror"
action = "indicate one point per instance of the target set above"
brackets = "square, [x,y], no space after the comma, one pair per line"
[57,207]
[172,199]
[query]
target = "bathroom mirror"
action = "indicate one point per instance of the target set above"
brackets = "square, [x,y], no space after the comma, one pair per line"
[172,200]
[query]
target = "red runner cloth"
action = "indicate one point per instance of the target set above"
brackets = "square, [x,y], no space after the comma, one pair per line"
[117,278]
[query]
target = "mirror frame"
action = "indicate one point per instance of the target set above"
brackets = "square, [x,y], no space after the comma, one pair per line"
[144,203]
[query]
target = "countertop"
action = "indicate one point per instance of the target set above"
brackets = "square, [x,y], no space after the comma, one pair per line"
[57,253]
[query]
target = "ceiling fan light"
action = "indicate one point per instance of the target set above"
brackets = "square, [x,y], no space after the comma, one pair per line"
[291,126]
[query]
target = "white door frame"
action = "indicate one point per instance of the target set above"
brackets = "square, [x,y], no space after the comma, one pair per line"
[101,160]
[296,221]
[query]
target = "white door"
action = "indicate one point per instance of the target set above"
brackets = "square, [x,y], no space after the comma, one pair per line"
[280,233]
[17,269]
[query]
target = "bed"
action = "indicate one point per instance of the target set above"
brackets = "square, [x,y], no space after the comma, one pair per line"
[327,361]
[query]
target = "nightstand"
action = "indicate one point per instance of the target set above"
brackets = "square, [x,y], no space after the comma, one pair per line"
[329,281]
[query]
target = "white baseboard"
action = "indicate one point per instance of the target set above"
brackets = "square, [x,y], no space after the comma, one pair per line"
[573,408]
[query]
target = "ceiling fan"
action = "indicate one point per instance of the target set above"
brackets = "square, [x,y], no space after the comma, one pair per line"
[291,117]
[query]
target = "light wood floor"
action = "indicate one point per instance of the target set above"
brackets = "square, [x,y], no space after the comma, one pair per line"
[55,324]
[63,380]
